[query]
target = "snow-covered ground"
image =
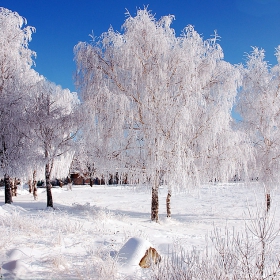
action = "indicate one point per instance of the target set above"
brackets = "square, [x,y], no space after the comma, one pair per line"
[82,237]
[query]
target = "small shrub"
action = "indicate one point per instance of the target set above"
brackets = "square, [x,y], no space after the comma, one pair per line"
[243,255]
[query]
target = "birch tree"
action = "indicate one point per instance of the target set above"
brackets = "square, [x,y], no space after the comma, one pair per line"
[15,82]
[103,147]
[259,107]
[170,98]
[84,162]
[54,122]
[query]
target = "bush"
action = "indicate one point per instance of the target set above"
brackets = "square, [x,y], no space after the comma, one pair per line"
[246,255]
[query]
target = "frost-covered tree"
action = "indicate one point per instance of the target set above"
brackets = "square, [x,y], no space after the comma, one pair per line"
[84,162]
[259,107]
[37,118]
[166,99]
[54,125]
[16,79]
[101,147]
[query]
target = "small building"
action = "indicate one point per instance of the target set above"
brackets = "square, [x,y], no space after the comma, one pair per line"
[77,179]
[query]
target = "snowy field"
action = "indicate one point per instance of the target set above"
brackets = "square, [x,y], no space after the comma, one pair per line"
[81,238]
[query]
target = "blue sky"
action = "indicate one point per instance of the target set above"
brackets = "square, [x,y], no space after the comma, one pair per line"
[60,25]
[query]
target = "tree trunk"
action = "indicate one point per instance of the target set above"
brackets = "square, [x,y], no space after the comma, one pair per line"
[48,186]
[34,186]
[268,201]
[155,204]
[91,181]
[14,187]
[8,190]
[12,182]
[30,186]
[102,180]
[110,179]
[168,206]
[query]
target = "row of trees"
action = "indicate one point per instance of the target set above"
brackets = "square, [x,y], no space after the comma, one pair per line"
[156,108]
[37,117]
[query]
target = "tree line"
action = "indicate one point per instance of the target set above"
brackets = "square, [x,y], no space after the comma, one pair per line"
[154,107]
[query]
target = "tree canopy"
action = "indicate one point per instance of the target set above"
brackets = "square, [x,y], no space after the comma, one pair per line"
[168,99]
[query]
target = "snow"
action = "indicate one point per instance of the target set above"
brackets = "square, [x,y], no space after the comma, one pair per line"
[132,252]
[102,232]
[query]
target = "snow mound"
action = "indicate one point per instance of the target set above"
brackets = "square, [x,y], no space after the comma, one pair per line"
[3,212]
[131,254]
[9,208]
[22,191]
[15,254]
[16,266]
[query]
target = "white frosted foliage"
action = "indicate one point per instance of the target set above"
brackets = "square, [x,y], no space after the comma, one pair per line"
[54,124]
[16,80]
[160,103]
[259,108]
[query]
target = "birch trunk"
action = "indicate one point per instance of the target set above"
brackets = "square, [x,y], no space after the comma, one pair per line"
[155,204]
[48,186]
[8,190]
[34,186]
[12,182]
[30,186]
[268,201]
[14,187]
[168,204]
[267,188]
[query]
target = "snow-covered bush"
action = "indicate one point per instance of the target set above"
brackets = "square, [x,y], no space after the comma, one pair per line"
[234,255]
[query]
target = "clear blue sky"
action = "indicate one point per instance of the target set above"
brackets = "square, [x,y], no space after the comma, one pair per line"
[60,25]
